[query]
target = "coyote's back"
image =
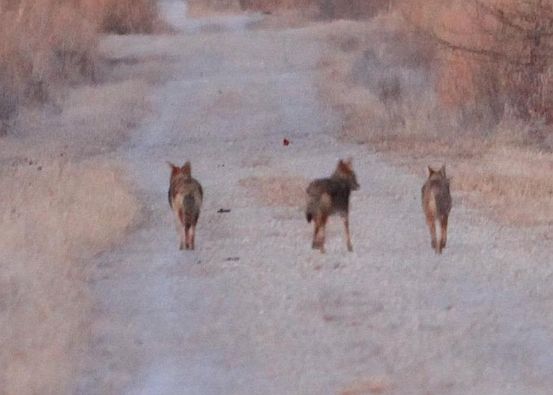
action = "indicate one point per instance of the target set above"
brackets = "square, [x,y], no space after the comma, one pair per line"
[185,198]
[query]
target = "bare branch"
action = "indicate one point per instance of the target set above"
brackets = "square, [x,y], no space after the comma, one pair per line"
[483,52]
[500,16]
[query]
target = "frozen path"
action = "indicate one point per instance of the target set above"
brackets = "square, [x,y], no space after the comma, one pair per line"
[254,310]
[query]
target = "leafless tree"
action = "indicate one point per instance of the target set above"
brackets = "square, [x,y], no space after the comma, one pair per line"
[512,46]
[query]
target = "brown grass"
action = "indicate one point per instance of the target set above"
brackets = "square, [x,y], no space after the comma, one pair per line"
[53,218]
[368,386]
[349,9]
[57,215]
[496,55]
[382,79]
[128,16]
[203,7]
[46,44]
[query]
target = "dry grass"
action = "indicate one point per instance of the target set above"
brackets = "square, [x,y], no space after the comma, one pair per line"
[349,9]
[53,218]
[495,54]
[42,44]
[48,43]
[129,16]
[386,93]
[368,386]
[515,183]
[203,7]
[57,215]
[277,191]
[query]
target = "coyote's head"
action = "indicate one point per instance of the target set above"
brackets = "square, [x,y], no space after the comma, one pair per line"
[344,171]
[438,175]
[185,170]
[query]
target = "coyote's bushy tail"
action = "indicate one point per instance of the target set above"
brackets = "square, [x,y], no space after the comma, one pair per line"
[311,209]
[190,210]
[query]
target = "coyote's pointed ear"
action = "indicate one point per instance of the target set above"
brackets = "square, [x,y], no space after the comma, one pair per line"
[442,171]
[429,171]
[349,162]
[172,166]
[174,169]
[342,166]
[187,168]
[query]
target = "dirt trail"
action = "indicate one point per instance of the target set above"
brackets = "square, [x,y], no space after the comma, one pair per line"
[253,310]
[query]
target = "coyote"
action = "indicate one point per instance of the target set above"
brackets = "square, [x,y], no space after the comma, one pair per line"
[436,204]
[185,198]
[328,196]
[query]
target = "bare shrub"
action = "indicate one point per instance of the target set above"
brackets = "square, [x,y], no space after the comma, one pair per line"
[494,61]
[397,83]
[272,5]
[331,9]
[42,44]
[45,44]
[497,58]
[199,7]
[128,16]
[351,9]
